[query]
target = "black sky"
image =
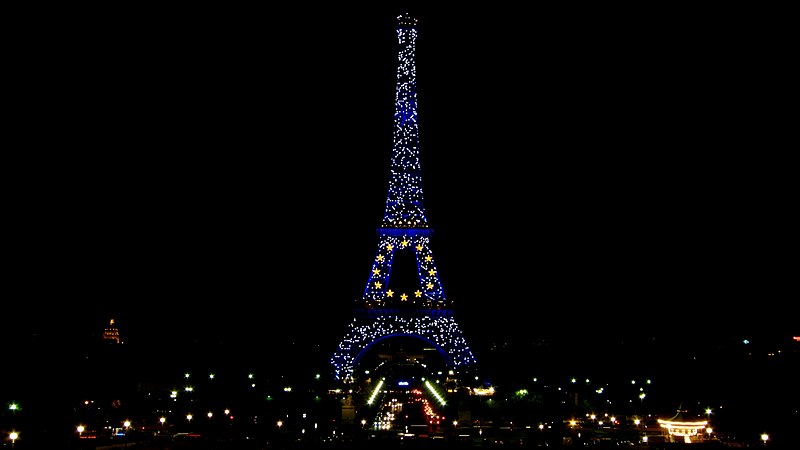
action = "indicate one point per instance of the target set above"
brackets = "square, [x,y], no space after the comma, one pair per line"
[204,174]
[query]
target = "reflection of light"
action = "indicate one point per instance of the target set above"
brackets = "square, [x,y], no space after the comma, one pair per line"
[375,392]
[434,392]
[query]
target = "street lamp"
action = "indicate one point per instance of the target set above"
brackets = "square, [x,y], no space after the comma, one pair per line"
[80,430]
[13,436]
[280,424]
[127,425]
[765,438]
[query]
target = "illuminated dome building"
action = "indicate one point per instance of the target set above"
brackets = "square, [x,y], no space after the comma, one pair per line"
[111,333]
[679,428]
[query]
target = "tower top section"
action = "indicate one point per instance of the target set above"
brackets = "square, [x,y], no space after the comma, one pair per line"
[406,21]
[404,206]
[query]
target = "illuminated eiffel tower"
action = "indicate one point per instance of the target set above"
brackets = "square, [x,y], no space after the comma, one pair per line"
[403,296]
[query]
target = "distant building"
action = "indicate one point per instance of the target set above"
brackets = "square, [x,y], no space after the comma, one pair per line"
[680,428]
[111,333]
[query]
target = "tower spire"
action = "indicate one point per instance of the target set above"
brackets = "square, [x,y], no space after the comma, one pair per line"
[404,205]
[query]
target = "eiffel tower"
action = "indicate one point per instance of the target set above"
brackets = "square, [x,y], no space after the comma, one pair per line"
[403,296]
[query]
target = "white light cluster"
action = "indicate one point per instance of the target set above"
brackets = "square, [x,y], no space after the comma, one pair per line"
[442,332]
[404,206]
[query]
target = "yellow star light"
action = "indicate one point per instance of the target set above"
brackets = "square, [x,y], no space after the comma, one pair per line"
[429,285]
[379,258]
[389,247]
[404,243]
[417,293]
[403,297]
[376,271]
[431,272]
[378,285]
[428,258]
[389,293]
[419,247]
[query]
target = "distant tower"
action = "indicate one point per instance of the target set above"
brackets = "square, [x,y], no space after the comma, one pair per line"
[111,333]
[403,296]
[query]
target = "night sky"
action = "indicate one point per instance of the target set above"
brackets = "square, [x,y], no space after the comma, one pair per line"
[203,175]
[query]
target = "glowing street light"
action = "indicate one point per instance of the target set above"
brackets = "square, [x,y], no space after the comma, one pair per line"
[189,417]
[765,438]
[13,436]
[126,424]
[280,424]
